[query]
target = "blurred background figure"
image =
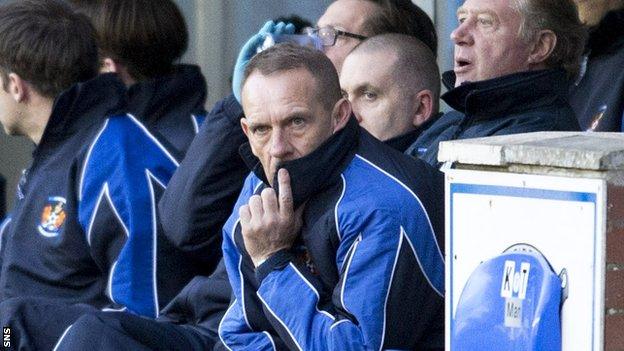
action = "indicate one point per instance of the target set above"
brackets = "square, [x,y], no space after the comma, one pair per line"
[597,96]
[142,41]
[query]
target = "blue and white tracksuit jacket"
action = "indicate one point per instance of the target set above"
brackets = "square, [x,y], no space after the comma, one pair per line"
[367,272]
[85,228]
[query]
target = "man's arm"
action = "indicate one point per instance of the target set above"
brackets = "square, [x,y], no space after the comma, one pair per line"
[235,332]
[388,294]
[206,185]
[379,277]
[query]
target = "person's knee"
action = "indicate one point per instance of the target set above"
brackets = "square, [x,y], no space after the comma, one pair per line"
[83,332]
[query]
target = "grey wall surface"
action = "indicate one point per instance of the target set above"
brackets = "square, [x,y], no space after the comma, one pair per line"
[218,28]
[14,156]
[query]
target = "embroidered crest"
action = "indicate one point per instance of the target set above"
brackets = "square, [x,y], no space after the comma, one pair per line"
[597,118]
[52,217]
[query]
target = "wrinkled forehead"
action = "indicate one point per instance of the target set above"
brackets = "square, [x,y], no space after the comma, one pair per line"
[504,9]
[278,91]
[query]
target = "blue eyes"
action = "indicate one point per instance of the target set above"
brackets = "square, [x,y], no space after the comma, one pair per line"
[370,95]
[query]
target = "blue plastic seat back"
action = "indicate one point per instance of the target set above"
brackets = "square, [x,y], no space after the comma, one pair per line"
[510,302]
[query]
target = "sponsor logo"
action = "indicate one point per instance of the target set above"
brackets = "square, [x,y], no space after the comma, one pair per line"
[513,289]
[515,283]
[52,217]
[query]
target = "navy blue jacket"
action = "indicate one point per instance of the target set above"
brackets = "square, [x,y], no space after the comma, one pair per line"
[202,192]
[517,103]
[598,97]
[85,228]
[366,273]
[207,184]
[2,197]
[404,141]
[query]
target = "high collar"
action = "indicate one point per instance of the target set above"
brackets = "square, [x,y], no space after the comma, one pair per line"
[507,94]
[403,141]
[314,172]
[608,35]
[83,105]
[185,87]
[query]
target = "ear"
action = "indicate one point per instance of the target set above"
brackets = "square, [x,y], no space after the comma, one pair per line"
[341,114]
[109,66]
[18,88]
[543,47]
[424,103]
[245,126]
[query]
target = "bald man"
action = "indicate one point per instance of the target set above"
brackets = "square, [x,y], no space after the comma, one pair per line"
[393,84]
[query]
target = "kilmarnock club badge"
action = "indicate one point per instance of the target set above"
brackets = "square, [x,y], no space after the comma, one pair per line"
[52,217]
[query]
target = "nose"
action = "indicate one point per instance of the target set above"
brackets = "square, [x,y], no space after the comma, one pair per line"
[462,34]
[280,146]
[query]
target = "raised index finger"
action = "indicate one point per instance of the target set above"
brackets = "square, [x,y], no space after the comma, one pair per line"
[285,193]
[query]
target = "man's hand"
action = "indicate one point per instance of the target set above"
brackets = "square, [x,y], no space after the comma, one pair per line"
[269,224]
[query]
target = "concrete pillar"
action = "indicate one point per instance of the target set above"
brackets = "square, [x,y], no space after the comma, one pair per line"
[560,192]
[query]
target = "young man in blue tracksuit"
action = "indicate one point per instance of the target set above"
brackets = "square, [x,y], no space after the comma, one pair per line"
[347,259]
[84,233]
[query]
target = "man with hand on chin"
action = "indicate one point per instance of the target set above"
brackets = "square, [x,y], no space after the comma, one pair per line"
[331,244]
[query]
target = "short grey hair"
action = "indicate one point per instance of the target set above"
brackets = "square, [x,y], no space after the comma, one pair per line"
[561,17]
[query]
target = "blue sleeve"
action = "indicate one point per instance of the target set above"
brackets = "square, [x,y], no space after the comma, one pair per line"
[369,260]
[124,169]
[234,331]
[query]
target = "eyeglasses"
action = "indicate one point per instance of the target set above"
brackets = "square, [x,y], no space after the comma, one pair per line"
[329,34]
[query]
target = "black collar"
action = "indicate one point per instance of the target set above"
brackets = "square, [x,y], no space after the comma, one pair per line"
[507,94]
[312,173]
[83,105]
[184,89]
[403,141]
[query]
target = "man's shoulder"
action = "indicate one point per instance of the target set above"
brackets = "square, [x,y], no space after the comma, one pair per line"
[440,130]
[386,179]
[446,121]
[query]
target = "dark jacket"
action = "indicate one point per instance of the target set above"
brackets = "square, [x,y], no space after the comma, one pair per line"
[517,103]
[404,141]
[84,228]
[206,186]
[366,272]
[202,193]
[598,97]
[2,198]
[171,106]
